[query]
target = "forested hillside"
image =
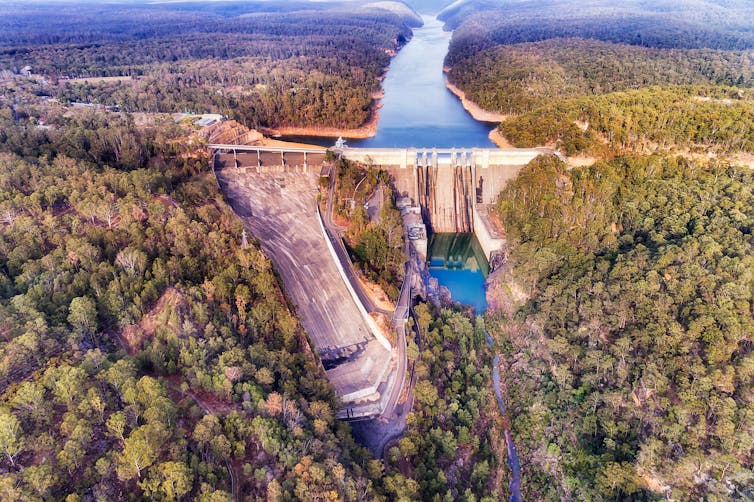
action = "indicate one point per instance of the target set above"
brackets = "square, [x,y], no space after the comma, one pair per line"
[146,351]
[630,369]
[718,120]
[714,24]
[627,296]
[452,449]
[537,74]
[266,64]
[602,78]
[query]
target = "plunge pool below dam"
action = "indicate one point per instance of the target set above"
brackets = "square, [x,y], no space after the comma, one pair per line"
[457,261]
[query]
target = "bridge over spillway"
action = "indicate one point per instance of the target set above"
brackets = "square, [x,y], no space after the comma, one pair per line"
[250,155]
[402,158]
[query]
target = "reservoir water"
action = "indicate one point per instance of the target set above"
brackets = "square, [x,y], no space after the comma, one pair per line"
[419,111]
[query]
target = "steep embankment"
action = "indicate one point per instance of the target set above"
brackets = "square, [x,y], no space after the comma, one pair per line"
[367,130]
[474,109]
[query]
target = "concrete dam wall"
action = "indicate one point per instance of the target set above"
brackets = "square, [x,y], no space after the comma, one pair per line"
[450,184]
[454,187]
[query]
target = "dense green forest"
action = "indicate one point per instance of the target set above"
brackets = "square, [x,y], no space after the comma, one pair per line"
[630,368]
[315,66]
[702,119]
[602,79]
[451,449]
[521,77]
[145,352]
[714,24]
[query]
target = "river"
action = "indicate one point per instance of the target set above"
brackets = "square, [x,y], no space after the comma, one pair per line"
[418,110]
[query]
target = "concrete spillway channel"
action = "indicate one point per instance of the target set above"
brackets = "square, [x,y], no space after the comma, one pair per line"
[279,205]
[274,190]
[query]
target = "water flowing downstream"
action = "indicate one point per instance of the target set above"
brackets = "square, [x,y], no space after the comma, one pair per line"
[515,466]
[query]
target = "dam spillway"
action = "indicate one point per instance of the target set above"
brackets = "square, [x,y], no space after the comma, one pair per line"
[455,187]
[273,189]
[278,204]
[450,184]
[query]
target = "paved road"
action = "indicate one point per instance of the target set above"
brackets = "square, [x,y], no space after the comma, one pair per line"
[375,203]
[400,327]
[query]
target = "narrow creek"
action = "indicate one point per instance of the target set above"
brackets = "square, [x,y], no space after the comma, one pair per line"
[515,466]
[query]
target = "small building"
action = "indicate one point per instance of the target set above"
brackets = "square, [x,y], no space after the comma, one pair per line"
[208,119]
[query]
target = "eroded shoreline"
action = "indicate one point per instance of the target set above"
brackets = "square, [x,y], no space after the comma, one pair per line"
[501,141]
[474,109]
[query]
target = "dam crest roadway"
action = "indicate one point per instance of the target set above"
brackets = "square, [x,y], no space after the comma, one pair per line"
[274,190]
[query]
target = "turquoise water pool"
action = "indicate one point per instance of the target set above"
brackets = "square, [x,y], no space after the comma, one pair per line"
[459,264]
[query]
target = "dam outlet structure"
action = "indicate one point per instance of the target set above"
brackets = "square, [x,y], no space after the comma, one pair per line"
[274,190]
[455,187]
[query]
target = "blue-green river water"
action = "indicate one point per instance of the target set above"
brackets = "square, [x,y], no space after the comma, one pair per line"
[459,264]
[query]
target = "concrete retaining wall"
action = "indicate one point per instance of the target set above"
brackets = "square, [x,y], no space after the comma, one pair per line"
[486,239]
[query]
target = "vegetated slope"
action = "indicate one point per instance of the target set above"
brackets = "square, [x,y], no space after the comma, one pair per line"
[115,237]
[310,67]
[701,119]
[620,81]
[450,450]
[629,368]
[630,372]
[376,246]
[684,24]
[519,78]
